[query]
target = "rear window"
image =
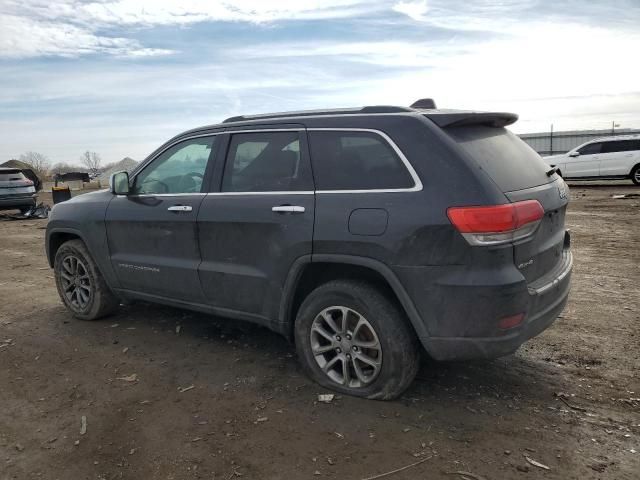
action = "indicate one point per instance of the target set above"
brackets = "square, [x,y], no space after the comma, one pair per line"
[355,160]
[8,176]
[510,162]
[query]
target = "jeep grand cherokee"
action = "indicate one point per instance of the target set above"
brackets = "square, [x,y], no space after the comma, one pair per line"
[364,235]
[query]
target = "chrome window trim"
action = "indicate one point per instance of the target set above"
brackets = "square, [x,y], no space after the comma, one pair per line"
[283,192]
[417,183]
[416,179]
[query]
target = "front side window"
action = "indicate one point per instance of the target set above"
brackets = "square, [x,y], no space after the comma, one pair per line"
[591,149]
[265,162]
[180,169]
[348,160]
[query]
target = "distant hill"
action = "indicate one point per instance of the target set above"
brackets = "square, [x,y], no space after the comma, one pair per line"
[126,163]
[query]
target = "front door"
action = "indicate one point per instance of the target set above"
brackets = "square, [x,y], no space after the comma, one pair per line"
[587,164]
[152,232]
[258,222]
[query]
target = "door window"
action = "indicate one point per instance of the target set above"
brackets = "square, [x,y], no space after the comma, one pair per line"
[180,169]
[346,160]
[265,162]
[591,149]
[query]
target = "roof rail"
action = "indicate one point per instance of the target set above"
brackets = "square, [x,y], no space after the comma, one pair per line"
[308,113]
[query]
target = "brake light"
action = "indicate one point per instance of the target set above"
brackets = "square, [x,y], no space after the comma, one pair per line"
[497,224]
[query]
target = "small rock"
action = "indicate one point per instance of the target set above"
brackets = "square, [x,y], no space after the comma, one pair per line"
[522,468]
[19,447]
[83,425]
[326,398]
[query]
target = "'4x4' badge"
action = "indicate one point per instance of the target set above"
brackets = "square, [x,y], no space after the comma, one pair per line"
[562,191]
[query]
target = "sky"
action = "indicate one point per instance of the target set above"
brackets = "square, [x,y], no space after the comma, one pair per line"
[120,77]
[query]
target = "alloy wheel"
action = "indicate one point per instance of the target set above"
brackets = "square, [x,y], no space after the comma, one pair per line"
[346,347]
[76,282]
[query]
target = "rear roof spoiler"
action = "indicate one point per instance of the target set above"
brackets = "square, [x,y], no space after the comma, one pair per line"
[457,118]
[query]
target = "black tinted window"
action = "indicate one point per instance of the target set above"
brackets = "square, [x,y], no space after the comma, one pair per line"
[620,146]
[591,149]
[265,162]
[510,162]
[345,160]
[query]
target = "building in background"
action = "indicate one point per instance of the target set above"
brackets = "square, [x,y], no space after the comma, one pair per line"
[551,143]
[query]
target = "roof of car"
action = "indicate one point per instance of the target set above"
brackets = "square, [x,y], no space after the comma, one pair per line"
[424,107]
[635,136]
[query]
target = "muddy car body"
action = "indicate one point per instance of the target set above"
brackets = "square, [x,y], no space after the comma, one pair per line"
[364,235]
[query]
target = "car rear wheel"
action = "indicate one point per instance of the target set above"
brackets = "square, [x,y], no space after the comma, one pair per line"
[352,339]
[635,175]
[80,285]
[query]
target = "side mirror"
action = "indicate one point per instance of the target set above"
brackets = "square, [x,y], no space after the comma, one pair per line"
[119,183]
[574,154]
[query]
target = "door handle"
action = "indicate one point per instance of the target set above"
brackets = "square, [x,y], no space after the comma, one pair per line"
[288,209]
[180,208]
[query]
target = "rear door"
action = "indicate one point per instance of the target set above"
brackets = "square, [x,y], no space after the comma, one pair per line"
[521,174]
[152,233]
[618,157]
[257,221]
[587,164]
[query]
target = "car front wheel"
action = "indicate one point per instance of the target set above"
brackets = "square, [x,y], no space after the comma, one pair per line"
[352,339]
[80,284]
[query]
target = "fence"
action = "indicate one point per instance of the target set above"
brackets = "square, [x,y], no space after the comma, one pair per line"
[551,143]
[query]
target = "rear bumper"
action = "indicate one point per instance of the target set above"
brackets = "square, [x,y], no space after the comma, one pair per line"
[8,203]
[545,302]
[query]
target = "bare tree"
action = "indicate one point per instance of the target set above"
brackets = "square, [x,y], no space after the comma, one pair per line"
[92,161]
[63,167]
[38,162]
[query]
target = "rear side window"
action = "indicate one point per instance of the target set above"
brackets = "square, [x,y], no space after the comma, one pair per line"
[347,160]
[591,149]
[509,161]
[265,162]
[620,146]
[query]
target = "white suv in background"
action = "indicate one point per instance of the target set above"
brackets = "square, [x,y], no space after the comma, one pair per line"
[610,157]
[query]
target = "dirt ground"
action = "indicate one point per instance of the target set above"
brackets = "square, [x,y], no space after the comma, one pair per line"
[169,394]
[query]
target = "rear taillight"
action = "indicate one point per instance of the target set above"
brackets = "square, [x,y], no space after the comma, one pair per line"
[497,224]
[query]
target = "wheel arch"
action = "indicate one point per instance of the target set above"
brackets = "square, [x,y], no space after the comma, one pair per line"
[637,165]
[309,272]
[56,238]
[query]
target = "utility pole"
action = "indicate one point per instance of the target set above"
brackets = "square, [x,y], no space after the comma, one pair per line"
[551,141]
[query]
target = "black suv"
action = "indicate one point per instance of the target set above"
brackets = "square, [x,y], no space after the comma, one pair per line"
[360,234]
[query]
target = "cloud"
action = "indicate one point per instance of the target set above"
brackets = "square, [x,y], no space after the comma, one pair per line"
[73,27]
[23,37]
[414,10]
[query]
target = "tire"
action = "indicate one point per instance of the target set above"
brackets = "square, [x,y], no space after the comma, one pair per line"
[80,284]
[635,175]
[396,355]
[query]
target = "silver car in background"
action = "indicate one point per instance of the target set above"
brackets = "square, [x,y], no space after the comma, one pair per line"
[16,190]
